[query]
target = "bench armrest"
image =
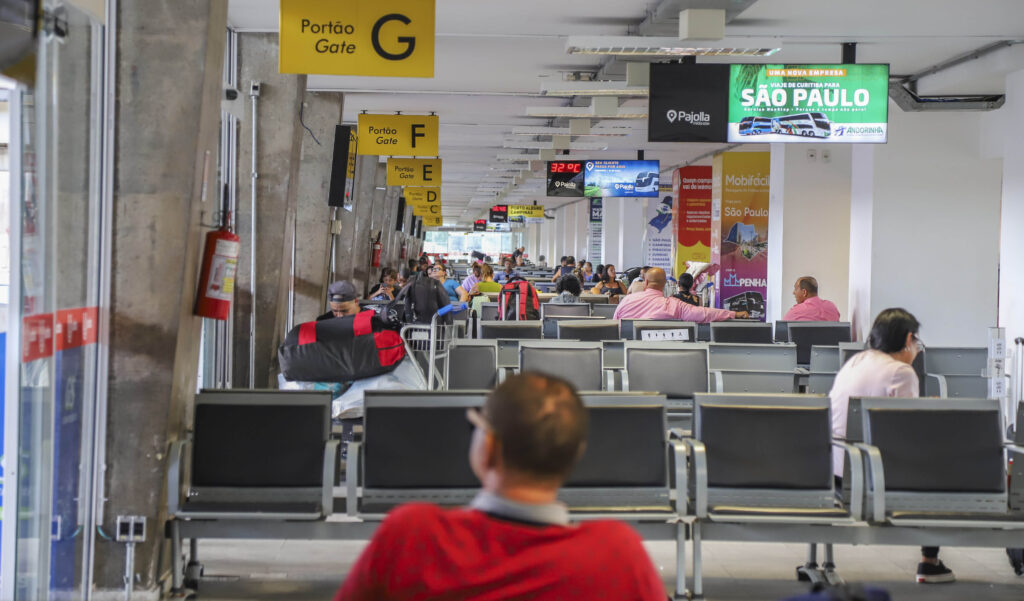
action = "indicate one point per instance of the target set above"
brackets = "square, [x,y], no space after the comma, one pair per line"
[943,385]
[1013,448]
[352,479]
[625,380]
[175,486]
[699,456]
[680,454]
[330,461]
[856,476]
[609,378]
[875,492]
[715,377]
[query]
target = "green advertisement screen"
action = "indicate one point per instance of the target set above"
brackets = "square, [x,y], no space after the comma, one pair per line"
[808,103]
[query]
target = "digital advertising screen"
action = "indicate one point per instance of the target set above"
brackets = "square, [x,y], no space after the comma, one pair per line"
[808,103]
[621,178]
[565,178]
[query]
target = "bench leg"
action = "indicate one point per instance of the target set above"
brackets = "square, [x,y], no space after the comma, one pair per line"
[698,577]
[829,568]
[177,565]
[680,592]
[194,569]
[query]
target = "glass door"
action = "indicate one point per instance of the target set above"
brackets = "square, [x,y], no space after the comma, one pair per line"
[52,425]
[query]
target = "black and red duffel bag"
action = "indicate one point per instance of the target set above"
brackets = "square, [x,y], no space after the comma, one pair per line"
[341,349]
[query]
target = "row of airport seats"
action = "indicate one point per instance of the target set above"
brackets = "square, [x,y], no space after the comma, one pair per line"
[756,468]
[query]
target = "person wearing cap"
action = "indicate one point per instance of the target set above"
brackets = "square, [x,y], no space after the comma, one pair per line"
[342,298]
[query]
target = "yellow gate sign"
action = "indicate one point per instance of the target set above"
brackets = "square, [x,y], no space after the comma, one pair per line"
[414,172]
[528,213]
[398,135]
[357,37]
[433,220]
[424,201]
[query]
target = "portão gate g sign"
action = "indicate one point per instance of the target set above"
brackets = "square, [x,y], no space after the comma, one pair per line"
[357,37]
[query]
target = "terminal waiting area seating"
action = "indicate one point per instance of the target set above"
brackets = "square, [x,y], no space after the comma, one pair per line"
[757,467]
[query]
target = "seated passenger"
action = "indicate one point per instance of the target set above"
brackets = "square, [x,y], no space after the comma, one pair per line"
[810,307]
[343,300]
[653,304]
[566,268]
[684,294]
[609,286]
[486,284]
[386,289]
[568,290]
[637,284]
[587,272]
[469,283]
[451,286]
[884,370]
[509,271]
[515,541]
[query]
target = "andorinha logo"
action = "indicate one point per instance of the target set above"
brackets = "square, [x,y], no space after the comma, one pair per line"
[848,130]
[746,180]
[699,119]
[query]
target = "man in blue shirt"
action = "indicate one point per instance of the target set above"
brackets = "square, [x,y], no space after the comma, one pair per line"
[508,272]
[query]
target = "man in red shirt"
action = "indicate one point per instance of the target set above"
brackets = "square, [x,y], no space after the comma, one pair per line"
[514,541]
[809,307]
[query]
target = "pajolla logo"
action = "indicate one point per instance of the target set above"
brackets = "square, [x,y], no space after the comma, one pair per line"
[700,118]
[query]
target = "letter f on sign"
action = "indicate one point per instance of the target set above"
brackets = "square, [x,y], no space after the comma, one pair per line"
[416,127]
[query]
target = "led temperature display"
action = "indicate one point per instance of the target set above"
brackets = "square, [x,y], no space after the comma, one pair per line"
[565,178]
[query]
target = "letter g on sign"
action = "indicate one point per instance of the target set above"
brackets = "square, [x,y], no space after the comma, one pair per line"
[409,41]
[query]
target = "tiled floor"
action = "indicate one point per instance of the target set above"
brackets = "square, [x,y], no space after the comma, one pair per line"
[312,570]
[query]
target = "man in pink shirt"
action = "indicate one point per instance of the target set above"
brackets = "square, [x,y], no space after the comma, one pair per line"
[653,304]
[810,307]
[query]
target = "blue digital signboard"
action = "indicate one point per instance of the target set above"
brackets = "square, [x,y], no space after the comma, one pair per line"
[621,178]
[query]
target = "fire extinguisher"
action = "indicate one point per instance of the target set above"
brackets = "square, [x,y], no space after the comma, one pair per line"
[217,275]
[402,253]
[376,251]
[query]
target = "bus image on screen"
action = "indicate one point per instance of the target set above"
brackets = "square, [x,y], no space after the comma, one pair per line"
[814,125]
[646,183]
[752,126]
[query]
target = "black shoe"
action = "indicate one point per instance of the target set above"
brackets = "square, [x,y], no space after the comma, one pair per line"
[1016,560]
[931,573]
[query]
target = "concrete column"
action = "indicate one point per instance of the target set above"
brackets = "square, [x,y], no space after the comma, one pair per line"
[321,112]
[279,142]
[169,69]
[1011,250]
[356,230]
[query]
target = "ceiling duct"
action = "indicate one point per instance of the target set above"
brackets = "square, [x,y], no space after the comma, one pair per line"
[912,103]
[908,99]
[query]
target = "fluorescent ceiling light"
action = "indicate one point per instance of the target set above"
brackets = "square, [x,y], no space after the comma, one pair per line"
[609,130]
[668,46]
[572,112]
[548,144]
[516,158]
[592,88]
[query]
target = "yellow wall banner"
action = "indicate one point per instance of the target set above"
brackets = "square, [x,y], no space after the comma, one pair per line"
[398,135]
[433,220]
[414,172]
[357,37]
[525,212]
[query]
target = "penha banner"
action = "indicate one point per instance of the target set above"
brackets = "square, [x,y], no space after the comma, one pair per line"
[739,212]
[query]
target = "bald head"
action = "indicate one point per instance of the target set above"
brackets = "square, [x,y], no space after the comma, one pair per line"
[655,278]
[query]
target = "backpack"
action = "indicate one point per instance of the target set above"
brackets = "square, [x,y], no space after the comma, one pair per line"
[422,297]
[340,349]
[518,300]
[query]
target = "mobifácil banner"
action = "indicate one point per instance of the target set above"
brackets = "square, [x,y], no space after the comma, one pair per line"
[740,210]
[691,189]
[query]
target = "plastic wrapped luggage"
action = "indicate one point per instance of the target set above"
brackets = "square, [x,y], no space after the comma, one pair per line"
[341,349]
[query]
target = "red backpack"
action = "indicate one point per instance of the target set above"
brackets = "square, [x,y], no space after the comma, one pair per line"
[518,300]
